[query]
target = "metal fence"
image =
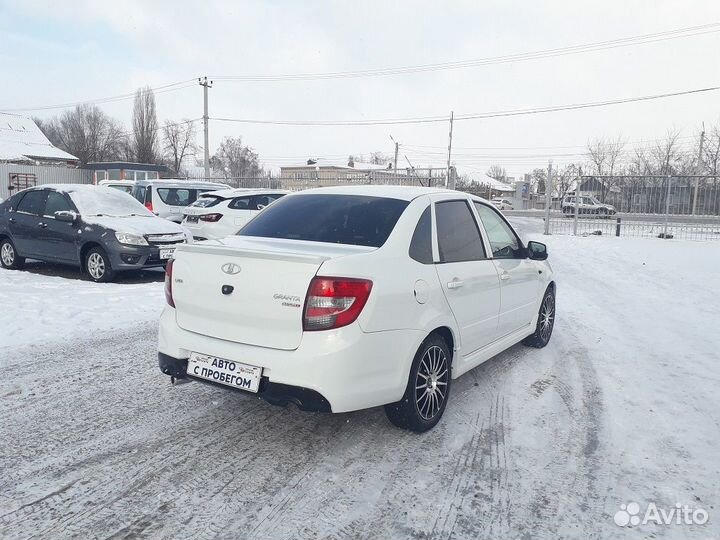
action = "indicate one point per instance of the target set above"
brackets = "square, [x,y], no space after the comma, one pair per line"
[15,177]
[298,182]
[685,207]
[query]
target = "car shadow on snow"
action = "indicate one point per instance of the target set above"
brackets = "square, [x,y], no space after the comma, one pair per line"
[150,275]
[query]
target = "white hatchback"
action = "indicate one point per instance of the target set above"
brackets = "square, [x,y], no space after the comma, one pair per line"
[339,299]
[223,213]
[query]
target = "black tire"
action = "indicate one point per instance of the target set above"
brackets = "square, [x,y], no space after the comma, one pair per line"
[421,409]
[9,257]
[545,322]
[97,266]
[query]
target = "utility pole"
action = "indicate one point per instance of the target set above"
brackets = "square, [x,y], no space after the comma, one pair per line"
[397,147]
[698,168]
[548,197]
[577,201]
[206,84]
[448,183]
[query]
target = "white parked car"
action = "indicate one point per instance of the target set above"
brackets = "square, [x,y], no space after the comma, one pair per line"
[502,204]
[222,213]
[167,198]
[339,299]
[586,205]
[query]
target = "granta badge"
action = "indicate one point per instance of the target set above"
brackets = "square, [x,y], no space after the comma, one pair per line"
[231,268]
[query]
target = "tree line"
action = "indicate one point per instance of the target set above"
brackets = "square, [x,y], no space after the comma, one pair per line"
[92,136]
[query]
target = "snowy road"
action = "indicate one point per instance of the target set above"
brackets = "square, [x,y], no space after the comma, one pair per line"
[622,406]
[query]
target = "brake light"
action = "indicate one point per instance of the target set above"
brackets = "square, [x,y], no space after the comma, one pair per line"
[168,283]
[334,302]
[212,218]
[148,205]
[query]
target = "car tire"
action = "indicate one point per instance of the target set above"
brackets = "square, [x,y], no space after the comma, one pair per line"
[545,322]
[428,388]
[9,257]
[97,266]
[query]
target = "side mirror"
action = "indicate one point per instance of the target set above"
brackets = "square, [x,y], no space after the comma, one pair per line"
[66,216]
[537,251]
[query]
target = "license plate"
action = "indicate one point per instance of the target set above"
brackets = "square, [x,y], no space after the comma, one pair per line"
[224,371]
[191,219]
[166,253]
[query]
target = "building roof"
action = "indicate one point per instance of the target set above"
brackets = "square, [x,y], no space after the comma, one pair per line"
[497,185]
[22,140]
[127,165]
[341,164]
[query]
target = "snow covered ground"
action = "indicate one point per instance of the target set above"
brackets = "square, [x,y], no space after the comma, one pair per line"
[621,407]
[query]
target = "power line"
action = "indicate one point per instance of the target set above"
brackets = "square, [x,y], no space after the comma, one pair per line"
[467,116]
[478,62]
[172,87]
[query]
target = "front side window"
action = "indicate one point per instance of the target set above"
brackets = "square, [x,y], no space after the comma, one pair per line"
[56,202]
[32,202]
[339,219]
[503,240]
[458,235]
[421,243]
[261,201]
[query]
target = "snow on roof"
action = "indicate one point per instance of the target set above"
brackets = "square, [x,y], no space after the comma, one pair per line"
[341,164]
[22,140]
[497,185]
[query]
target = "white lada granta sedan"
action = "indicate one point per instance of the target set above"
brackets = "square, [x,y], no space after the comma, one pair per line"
[339,299]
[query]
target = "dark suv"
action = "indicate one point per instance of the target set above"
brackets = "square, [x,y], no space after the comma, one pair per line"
[99,229]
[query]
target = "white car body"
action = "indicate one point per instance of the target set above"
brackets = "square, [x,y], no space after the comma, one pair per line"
[167,198]
[502,204]
[586,204]
[481,306]
[223,213]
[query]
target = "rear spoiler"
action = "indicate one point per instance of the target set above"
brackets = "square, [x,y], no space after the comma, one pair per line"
[232,251]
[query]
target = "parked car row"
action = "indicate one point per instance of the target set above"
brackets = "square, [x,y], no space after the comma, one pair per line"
[339,299]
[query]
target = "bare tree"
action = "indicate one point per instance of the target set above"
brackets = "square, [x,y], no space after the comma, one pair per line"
[87,133]
[235,160]
[178,143]
[711,151]
[605,157]
[497,172]
[145,126]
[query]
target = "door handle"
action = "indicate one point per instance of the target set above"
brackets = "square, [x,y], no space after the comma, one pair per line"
[504,276]
[11,220]
[455,284]
[42,225]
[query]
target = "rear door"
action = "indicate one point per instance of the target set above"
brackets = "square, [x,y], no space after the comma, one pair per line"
[58,237]
[467,275]
[25,223]
[519,276]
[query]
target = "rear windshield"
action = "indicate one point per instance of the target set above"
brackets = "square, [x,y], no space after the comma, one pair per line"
[177,196]
[339,219]
[206,201]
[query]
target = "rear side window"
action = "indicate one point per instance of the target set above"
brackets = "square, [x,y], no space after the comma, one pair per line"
[240,203]
[177,196]
[339,219]
[421,243]
[57,202]
[458,235]
[33,202]
[139,193]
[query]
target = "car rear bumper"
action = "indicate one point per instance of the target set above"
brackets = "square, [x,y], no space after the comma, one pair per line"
[348,368]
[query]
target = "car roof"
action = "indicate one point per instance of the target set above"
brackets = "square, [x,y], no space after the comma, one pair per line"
[236,192]
[180,182]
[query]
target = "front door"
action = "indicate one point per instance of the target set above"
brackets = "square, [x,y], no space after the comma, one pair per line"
[58,237]
[467,276]
[519,276]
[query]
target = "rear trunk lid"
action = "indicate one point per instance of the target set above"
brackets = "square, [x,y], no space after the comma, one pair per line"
[249,290]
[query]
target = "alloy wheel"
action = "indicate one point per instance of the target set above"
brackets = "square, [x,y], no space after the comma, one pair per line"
[431,382]
[547,317]
[96,266]
[7,254]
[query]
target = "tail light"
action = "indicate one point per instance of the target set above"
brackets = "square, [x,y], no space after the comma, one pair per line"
[334,302]
[168,283]
[211,218]
[149,206]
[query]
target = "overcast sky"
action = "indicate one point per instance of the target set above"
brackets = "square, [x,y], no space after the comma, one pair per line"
[57,52]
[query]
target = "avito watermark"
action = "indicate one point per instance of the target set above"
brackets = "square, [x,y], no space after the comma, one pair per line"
[630,515]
